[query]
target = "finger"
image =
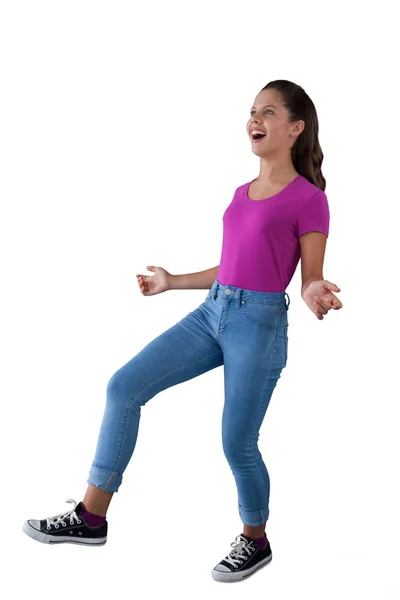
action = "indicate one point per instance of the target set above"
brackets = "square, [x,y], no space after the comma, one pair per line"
[142,284]
[333,303]
[337,304]
[332,286]
[318,304]
[324,302]
[317,314]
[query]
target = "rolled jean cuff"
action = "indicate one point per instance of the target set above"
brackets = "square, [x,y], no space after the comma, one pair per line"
[106,480]
[253,517]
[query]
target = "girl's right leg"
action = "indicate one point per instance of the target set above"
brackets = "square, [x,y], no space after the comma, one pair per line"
[185,350]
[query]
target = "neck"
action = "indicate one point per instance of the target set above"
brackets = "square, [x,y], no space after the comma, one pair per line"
[272,172]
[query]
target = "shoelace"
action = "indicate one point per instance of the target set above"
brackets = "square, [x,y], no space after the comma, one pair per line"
[57,519]
[240,546]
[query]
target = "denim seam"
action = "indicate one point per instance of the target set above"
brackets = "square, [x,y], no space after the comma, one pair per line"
[259,410]
[286,343]
[110,479]
[125,418]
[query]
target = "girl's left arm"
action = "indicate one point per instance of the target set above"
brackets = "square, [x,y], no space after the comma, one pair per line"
[316,291]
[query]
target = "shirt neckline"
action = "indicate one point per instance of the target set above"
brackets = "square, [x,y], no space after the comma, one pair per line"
[247,186]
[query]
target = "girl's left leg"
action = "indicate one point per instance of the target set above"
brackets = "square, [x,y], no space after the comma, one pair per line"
[248,390]
[254,356]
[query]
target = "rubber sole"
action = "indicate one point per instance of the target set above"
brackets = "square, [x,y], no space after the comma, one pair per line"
[227,577]
[45,538]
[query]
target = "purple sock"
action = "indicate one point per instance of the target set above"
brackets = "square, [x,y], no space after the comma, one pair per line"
[93,520]
[261,542]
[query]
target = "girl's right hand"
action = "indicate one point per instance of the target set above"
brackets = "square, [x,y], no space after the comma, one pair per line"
[154,284]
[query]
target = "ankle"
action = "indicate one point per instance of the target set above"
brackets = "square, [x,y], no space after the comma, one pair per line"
[254,532]
[92,519]
[97,500]
[94,510]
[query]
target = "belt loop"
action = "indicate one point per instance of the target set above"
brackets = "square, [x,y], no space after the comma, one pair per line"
[215,284]
[238,296]
[287,305]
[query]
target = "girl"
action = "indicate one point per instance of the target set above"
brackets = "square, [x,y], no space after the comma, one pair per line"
[271,222]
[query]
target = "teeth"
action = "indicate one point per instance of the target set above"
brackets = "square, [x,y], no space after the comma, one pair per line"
[257,131]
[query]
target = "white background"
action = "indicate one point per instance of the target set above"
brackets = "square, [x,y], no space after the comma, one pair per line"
[123,138]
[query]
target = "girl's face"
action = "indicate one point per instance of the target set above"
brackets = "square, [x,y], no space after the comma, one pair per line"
[271,117]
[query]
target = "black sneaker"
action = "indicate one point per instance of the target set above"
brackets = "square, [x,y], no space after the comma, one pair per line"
[66,527]
[245,558]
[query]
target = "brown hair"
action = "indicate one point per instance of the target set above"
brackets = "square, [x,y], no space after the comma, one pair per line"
[307,155]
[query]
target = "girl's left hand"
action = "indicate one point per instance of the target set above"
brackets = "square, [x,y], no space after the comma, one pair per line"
[319,297]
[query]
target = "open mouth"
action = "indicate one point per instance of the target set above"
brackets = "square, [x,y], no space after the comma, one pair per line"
[257,137]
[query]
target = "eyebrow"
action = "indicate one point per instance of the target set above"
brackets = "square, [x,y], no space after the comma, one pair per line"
[265,105]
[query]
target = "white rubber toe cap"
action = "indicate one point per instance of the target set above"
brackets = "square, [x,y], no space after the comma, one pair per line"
[222,568]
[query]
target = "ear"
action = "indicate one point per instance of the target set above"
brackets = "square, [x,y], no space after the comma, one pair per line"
[297,128]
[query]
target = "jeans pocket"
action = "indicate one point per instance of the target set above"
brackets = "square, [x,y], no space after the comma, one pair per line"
[262,313]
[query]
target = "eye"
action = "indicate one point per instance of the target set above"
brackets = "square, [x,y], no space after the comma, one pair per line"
[268,110]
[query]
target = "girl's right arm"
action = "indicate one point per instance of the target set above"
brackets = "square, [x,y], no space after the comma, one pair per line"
[201,280]
[162,280]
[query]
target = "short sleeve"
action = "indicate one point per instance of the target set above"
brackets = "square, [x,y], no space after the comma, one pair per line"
[314,215]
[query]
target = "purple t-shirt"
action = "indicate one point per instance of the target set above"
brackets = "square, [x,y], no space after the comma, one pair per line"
[260,246]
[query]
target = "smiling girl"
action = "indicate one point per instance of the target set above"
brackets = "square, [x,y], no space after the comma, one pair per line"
[271,223]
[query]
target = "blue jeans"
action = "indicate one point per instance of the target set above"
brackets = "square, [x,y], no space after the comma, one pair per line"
[243,330]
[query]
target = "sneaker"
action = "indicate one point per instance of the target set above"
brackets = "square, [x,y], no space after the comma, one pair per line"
[245,558]
[66,527]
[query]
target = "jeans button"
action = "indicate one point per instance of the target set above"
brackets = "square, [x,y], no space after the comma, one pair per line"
[227,292]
